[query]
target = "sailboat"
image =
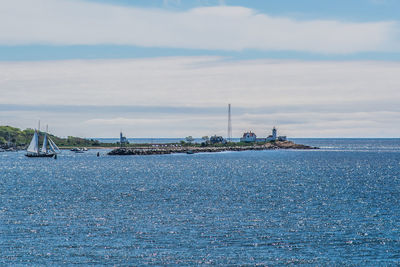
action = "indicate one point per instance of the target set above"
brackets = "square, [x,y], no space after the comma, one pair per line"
[34,151]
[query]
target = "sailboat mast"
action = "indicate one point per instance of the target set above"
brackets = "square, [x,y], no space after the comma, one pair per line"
[37,143]
[38,134]
[44,146]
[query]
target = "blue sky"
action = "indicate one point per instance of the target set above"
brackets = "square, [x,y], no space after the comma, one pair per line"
[170,67]
[354,10]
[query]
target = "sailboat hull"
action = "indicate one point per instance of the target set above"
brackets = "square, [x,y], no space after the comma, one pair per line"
[39,155]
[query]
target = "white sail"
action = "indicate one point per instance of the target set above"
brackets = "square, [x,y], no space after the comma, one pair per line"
[34,145]
[53,146]
[44,147]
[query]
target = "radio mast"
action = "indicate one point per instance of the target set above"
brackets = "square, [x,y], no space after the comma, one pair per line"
[229,124]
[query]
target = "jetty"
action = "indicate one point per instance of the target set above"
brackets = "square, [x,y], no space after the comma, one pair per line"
[172,149]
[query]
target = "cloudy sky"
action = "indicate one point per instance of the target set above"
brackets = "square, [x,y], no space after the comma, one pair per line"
[154,68]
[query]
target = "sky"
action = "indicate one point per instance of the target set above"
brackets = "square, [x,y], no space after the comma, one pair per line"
[169,68]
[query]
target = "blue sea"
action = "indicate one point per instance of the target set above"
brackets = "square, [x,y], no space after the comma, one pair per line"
[339,205]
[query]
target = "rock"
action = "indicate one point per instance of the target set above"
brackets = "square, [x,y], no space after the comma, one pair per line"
[170,150]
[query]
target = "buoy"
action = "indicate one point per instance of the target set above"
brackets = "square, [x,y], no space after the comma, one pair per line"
[98,154]
[55,156]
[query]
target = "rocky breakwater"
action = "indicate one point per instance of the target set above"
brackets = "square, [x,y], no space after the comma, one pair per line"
[150,150]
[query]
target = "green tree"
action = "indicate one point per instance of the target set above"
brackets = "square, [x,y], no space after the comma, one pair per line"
[189,139]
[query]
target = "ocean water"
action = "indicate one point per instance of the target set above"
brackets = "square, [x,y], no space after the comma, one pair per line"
[339,205]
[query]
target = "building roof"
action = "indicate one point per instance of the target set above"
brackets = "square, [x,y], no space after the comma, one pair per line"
[250,134]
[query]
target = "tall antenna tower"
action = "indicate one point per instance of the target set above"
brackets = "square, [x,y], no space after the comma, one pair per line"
[229,124]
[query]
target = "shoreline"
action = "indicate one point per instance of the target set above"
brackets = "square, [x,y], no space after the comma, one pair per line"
[89,148]
[150,150]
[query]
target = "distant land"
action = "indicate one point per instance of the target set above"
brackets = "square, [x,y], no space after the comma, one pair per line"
[20,139]
[15,137]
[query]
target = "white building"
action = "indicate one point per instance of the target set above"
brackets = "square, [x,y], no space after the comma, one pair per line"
[248,137]
[274,136]
[251,137]
[122,140]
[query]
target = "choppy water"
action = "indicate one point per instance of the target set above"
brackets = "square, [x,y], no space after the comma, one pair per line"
[338,205]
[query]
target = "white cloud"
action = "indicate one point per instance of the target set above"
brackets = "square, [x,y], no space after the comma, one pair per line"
[302,98]
[171,2]
[196,81]
[62,22]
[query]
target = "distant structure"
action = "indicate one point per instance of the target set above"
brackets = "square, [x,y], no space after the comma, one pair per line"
[122,140]
[273,136]
[282,138]
[217,139]
[229,124]
[249,137]
[274,133]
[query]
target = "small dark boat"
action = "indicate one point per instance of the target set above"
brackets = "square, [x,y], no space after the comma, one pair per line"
[190,152]
[77,150]
[49,155]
